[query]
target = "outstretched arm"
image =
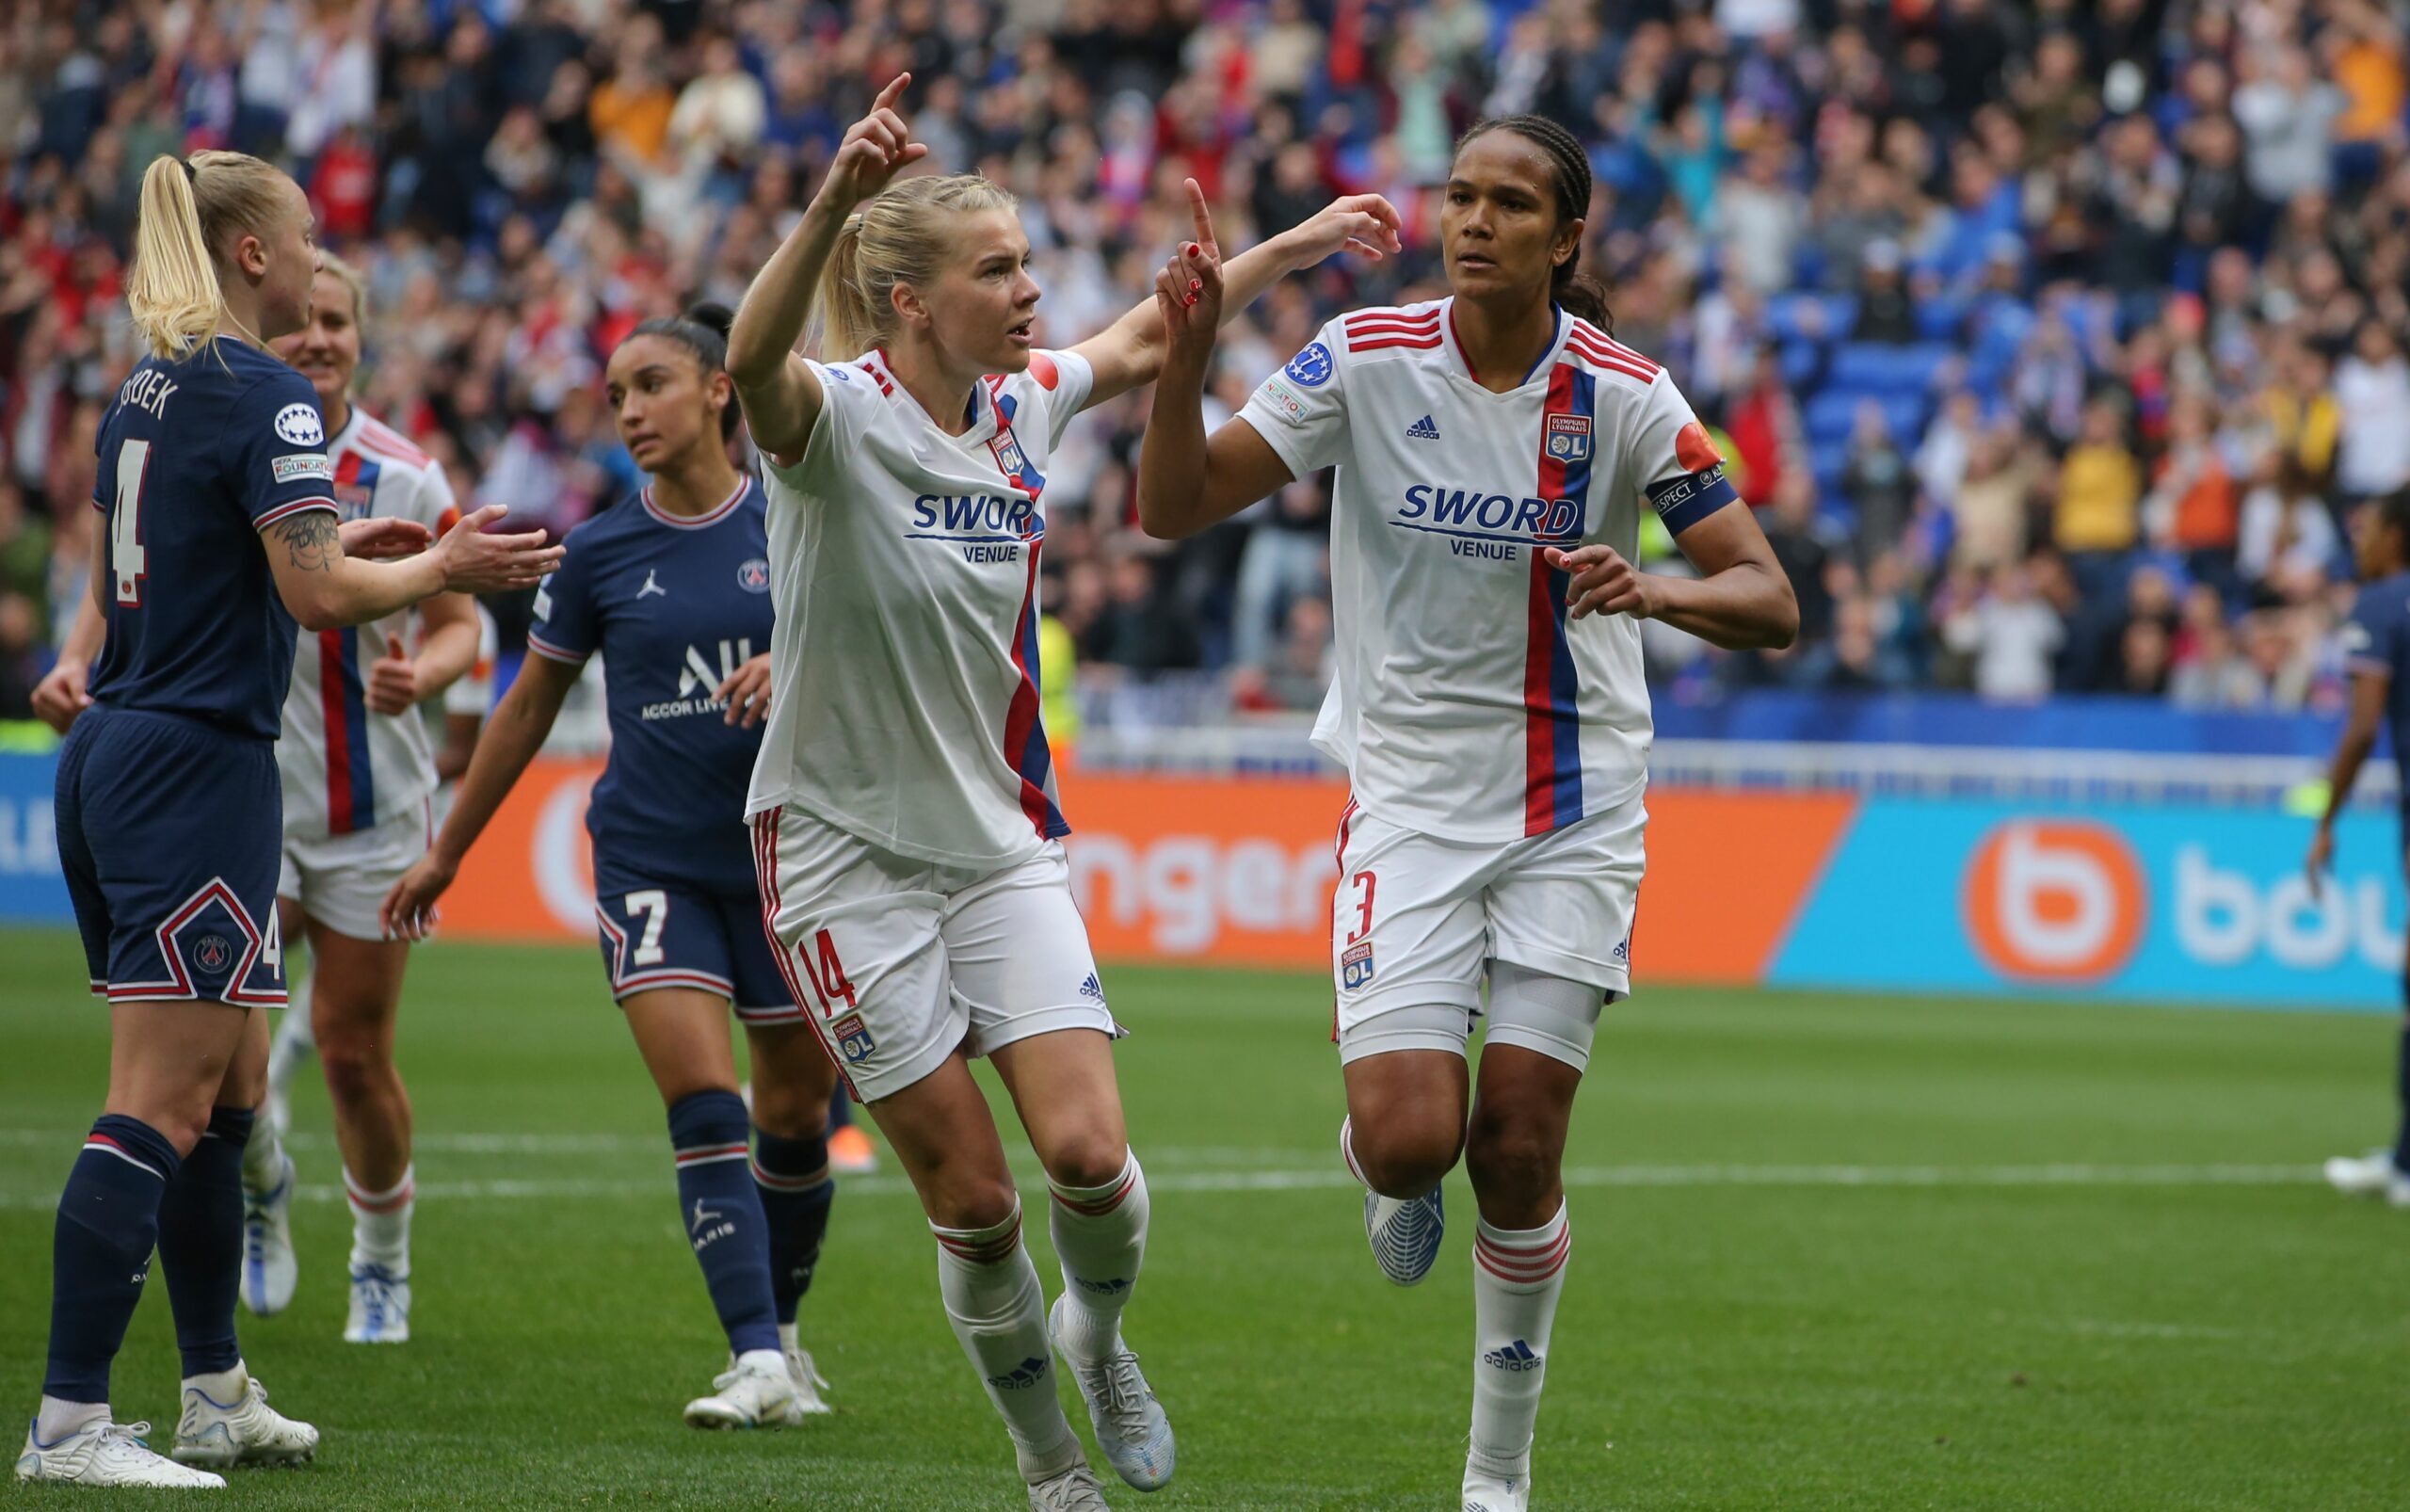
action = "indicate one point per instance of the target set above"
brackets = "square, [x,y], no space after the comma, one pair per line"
[327,588]
[776,388]
[1129,353]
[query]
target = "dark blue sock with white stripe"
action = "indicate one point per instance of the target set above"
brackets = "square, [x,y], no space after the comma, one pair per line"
[100,1253]
[723,1214]
[2401,1092]
[792,1176]
[201,1244]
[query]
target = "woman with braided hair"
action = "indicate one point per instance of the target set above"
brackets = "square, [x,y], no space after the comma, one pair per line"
[1491,453]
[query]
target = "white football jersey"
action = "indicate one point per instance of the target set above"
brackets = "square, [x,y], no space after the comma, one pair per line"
[1466,704]
[346,768]
[903,573]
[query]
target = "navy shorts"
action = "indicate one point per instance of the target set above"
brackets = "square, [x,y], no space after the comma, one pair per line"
[170,833]
[660,933]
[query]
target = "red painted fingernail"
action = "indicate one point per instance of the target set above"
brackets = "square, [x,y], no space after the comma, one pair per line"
[1192,249]
[1194,285]
[1189,299]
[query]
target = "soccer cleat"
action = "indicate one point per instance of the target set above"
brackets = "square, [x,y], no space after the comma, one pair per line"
[1130,1424]
[245,1432]
[757,1392]
[850,1151]
[269,1269]
[381,1307]
[810,1384]
[2370,1175]
[109,1453]
[1404,1234]
[1485,1492]
[1074,1490]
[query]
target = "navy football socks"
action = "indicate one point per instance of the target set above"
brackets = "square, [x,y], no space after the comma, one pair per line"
[792,1176]
[201,1244]
[100,1255]
[723,1214]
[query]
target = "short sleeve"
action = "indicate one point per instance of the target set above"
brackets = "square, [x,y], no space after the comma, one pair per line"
[1672,462]
[278,446]
[437,509]
[1301,411]
[2369,635]
[847,396]
[564,628]
[1064,380]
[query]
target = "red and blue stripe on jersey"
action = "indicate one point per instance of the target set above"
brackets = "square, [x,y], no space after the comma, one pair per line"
[1026,751]
[351,782]
[1551,683]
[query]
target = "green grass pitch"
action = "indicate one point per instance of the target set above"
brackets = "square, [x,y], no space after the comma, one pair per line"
[1830,1253]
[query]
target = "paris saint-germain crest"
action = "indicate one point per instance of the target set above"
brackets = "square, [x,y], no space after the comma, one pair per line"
[213,952]
[754,576]
[1569,438]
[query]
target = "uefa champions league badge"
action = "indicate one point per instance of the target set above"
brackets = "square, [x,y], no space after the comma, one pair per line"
[1569,437]
[1311,367]
[853,1039]
[1356,966]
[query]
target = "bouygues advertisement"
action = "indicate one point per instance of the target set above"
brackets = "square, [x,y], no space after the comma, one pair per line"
[2165,904]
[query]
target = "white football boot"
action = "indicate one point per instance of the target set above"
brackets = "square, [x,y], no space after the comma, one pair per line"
[2369,1175]
[244,1430]
[1405,1235]
[811,1386]
[1074,1490]
[270,1270]
[1485,1492]
[109,1453]
[1130,1424]
[755,1393]
[381,1307]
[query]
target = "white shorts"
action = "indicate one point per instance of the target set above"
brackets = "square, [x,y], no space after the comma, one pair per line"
[897,962]
[340,880]
[1417,921]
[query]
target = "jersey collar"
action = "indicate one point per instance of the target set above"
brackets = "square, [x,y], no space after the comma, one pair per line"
[720,511]
[350,428]
[1458,362]
[981,411]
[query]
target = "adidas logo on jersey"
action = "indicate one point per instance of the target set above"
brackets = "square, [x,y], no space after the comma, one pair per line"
[1022,1377]
[1422,430]
[1092,988]
[1514,1357]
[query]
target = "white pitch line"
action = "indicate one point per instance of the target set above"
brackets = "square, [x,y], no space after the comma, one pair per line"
[1961,1177]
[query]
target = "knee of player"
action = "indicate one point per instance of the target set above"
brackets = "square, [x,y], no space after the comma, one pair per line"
[1406,1158]
[1506,1152]
[354,1067]
[969,1204]
[1089,1158]
[787,1112]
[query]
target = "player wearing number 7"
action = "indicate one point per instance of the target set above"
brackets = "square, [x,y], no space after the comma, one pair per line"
[671,589]
[221,533]
[905,818]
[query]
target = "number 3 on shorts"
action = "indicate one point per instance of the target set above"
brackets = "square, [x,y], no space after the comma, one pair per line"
[1364,883]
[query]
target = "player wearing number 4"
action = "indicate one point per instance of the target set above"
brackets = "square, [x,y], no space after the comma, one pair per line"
[672,588]
[358,775]
[222,533]
[1492,451]
[903,807]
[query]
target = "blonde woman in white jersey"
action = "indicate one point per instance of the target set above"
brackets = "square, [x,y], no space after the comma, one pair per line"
[1492,452]
[359,776]
[903,805]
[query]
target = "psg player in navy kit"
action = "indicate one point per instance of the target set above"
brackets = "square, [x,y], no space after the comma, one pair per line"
[672,588]
[221,533]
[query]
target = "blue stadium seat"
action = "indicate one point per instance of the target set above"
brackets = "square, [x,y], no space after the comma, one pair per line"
[1784,310]
[1889,370]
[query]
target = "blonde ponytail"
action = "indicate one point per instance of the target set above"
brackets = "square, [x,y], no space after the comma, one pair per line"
[189,208]
[900,235]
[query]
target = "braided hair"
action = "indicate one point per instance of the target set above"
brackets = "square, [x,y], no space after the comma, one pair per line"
[1575,292]
[704,331]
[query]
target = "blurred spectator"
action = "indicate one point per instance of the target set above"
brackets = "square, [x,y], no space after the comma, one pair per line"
[1878,483]
[2099,494]
[2012,635]
[2373,401]
[1281,564]
[2285,527]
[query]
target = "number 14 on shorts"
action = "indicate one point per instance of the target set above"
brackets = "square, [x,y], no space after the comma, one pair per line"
[826,972]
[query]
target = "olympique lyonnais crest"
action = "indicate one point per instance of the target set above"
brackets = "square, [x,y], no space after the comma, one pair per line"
[1569,437]
[853,1039]
[1356,966]
[1008,454]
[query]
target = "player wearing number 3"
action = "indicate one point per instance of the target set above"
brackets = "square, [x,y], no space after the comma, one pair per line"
[671,589]
[222,535]
[1492,452]
[905,817]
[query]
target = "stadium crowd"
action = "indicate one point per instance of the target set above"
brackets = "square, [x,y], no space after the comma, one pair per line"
[2056,342]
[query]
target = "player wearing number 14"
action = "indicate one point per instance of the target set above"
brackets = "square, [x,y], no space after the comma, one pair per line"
[222,535]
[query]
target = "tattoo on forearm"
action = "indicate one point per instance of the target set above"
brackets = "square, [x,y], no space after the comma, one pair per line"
[314,540]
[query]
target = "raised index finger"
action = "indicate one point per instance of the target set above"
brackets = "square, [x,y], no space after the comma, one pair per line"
[894,92]
[1199,213]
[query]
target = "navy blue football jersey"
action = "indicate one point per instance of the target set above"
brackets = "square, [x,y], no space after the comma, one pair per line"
[673,606]
[2377,640]
[198,456]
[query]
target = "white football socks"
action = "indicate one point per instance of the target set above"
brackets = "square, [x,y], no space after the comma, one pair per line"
[998,1310]
[1518,1273]
[380,1223]
[1099,1232]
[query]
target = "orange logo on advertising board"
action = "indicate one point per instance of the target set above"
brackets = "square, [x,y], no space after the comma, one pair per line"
[2054,900]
